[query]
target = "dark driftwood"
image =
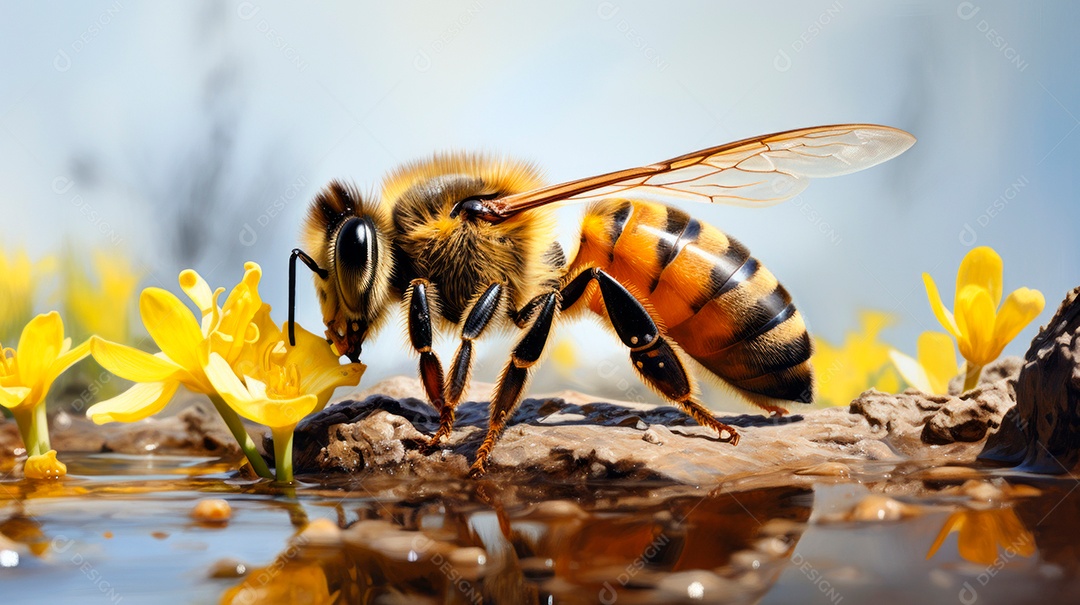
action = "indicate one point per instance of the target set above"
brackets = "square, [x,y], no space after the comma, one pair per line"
[1042,433]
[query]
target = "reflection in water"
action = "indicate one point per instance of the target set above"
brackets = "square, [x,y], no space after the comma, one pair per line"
[983,531]
[629,546]
[121,526]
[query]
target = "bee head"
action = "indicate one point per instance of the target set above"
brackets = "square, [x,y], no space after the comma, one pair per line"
[350,240]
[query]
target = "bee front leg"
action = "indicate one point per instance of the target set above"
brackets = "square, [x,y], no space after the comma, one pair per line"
[476,320]
[514,378]
[431,372]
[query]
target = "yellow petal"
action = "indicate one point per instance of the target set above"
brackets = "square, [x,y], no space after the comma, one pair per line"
[911,371]
[237,314]
[224,380]
[255,387]
[274,413]
[937,357]
[131,363]
[978,542]
[197,290]
[11,397]
[140,401]
[172,326]
[953,523]
[310,348]
[39,346]
[1012,534]
[975,318]
[944,317]
[67,359]
[279,413]
[44,466]
[1020,308]
[322,382]
[981,267]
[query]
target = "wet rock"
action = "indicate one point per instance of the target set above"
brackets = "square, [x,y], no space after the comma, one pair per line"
[320,532]
[969,417]
[228,568]
[212,511]
[877,507]
[913,418]
[947,473]
[573,437]
[826,469]
[1006,367]
[1042,433]
[196,429]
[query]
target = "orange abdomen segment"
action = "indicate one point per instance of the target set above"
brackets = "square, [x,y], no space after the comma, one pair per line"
[722,306]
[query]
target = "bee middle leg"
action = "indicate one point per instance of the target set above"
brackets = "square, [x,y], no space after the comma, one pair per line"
[655,361]
[542,310]
[476,320]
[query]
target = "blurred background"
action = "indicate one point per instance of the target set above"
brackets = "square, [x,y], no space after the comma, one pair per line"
[194,135]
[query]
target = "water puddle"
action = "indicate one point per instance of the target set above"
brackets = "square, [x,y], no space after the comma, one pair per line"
[120,529]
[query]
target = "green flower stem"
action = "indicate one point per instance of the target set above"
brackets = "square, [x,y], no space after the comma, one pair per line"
[33,428]
[283,438]
[971,377]
[236,426]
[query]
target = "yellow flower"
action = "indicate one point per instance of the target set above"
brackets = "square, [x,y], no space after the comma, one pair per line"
[982,531]
[44,466]
[102,309]
[18,276]
[280,384]
[27,373]
[185,344]
[860,363]
[935,367]
[980,328]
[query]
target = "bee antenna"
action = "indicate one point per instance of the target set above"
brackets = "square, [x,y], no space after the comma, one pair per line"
[314,266]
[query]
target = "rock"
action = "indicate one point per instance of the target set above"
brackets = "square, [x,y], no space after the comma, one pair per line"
[1042,433]
[913,418]
[320,532]
[970,416]
[826,469]
[227,568]
[572,437]
[213,511]
[877,507]
[195,430]
[1006,367]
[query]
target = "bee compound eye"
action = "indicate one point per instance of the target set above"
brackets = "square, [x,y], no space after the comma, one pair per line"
[356,254]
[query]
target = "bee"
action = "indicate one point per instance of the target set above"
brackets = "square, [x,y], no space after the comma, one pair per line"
[465,243]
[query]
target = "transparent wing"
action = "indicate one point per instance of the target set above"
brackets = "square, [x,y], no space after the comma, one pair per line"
[753,172]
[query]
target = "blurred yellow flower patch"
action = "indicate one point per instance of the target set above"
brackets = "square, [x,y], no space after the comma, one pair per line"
[861,362]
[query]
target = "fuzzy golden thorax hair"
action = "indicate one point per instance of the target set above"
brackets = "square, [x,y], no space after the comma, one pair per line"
[459,255]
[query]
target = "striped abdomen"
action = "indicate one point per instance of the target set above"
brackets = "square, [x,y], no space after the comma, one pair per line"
[722,306]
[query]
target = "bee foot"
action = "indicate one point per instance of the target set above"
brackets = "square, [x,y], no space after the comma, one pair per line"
[477,471]
[728,435]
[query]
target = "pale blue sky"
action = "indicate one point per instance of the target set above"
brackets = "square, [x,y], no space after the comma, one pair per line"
[110,113]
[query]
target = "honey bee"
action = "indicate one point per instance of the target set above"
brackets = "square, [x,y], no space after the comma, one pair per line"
[466,242]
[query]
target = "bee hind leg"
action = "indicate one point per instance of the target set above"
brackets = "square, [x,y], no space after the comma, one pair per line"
[543,310]
[655,361]
[476,320]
